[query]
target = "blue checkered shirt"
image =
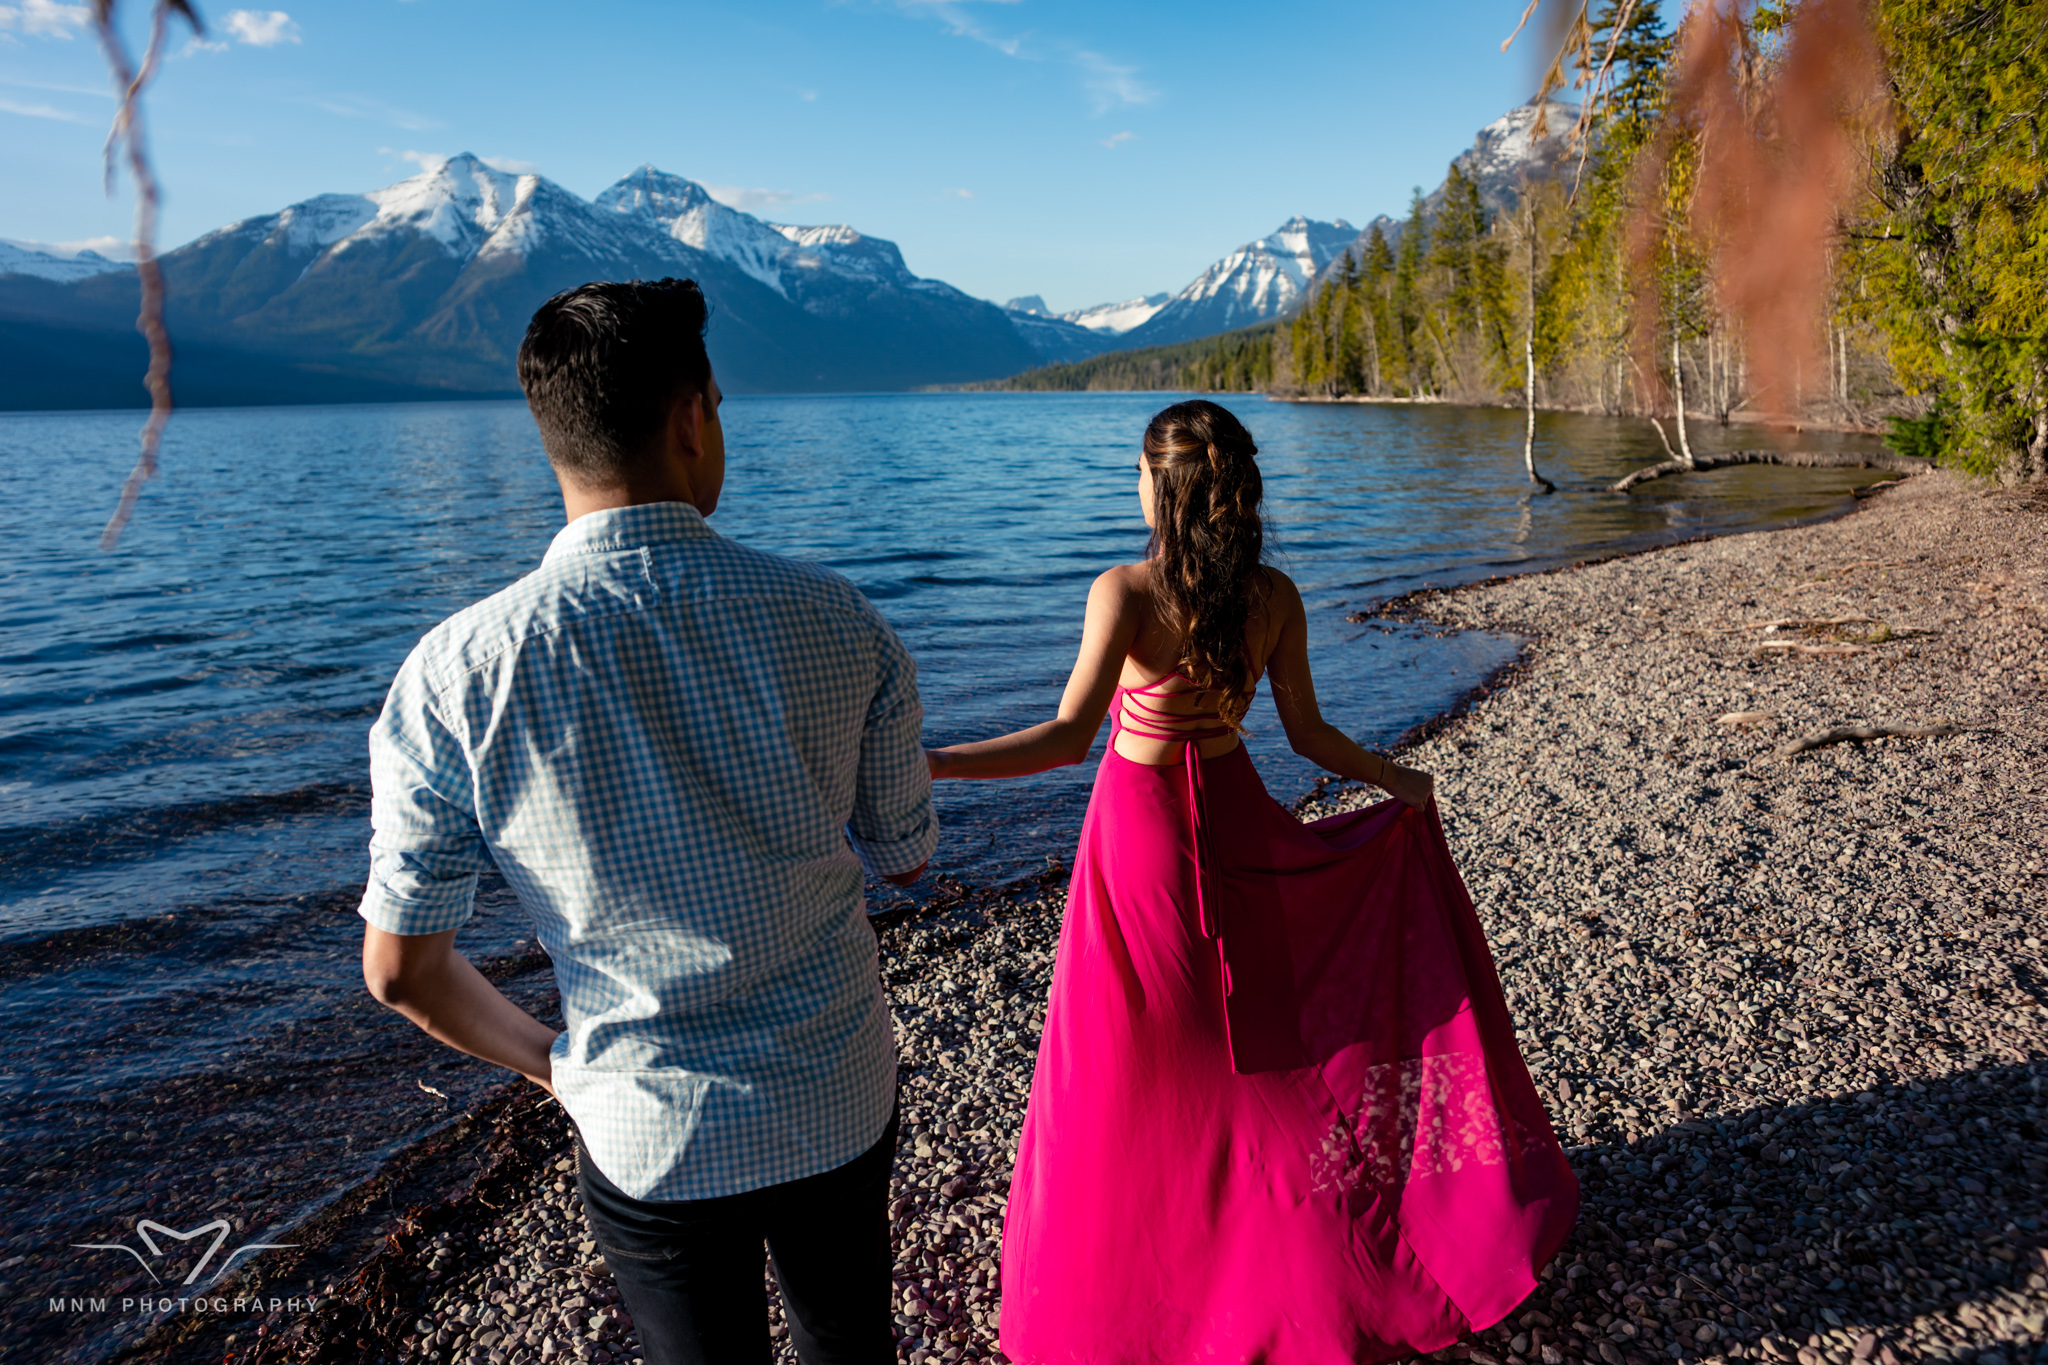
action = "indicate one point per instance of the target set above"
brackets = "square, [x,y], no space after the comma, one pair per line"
[664,740]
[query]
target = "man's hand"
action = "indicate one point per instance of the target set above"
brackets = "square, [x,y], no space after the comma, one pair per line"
[426,980]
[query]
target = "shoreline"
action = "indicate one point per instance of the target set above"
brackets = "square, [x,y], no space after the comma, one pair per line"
[1755,1159]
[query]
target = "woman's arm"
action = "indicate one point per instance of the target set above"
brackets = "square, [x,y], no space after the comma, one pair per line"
[1315,739]
[1111,627]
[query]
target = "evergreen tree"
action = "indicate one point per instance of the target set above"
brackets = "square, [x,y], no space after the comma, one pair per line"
[1642,58]
[1406,302]
[1957,262]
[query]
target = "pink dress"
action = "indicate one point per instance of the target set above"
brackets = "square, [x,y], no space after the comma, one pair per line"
[1278,1114]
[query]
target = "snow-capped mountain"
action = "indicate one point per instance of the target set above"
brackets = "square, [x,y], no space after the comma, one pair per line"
[428,284]
[1109,318]
[33,260]
[1257,281]
[1507,153]
[1509,149]
[1117,318]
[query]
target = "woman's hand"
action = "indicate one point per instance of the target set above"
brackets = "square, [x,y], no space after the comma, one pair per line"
[1411,785]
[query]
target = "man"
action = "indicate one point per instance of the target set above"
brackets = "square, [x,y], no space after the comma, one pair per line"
[664,740]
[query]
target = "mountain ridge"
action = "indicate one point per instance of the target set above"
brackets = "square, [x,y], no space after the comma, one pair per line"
[424,287]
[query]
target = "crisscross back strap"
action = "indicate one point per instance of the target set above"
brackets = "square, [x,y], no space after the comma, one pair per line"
[1147,721]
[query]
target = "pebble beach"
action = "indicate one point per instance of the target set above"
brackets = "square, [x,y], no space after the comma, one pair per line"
[1788,1005]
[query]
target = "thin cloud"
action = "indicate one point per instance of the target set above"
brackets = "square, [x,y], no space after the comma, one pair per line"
[426,161]
[44,18]
[260,28]
[953,16]
[1116,140]
[754,200]
[361,106]
[48,111]
[95,91]
[956,194]
[1109,84]
[807,96]
[510,165]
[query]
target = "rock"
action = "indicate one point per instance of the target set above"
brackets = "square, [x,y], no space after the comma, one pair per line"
[1866,1346]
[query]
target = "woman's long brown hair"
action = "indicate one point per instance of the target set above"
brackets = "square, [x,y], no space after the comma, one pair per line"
[1207,540]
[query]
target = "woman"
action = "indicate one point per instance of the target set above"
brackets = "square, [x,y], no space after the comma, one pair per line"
[1278,1114]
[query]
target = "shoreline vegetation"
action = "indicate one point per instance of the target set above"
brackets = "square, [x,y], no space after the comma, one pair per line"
[1655,268]
[1784,989]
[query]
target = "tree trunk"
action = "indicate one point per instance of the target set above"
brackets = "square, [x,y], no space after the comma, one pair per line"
[1529,359]
[1799,459]
[1678,393]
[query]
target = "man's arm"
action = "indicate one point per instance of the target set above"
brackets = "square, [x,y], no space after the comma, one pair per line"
[892,826]
[426,980]
[425,853]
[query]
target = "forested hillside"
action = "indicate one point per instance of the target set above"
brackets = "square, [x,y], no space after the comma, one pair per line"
[1937,304]
[1231,362]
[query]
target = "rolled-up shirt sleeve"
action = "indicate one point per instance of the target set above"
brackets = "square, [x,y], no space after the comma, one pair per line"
[426,848]
[892,827]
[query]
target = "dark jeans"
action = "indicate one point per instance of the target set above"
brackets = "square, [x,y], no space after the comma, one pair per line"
[690,1270]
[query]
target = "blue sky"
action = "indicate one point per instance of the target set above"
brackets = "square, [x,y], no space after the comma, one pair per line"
[1086,152]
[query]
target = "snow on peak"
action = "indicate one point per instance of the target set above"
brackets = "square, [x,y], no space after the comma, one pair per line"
[1114,318]
[59,265]
[1510,144]
[779,255]
[458,203]
[1261,278]
[1028,303]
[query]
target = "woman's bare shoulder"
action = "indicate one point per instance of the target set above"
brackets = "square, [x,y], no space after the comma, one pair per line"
[1281,586]
[1125,580]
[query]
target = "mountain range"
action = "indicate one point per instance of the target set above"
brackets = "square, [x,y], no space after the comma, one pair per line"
[423,289]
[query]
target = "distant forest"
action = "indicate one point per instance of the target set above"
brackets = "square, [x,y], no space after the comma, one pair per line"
[1937,310]
[1231,362]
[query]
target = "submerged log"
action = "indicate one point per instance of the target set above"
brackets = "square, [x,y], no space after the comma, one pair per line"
[1802,459]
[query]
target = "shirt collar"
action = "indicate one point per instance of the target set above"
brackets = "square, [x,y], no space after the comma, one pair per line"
[629,528]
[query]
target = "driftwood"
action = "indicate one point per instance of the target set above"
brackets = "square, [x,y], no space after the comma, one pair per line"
[1795,647]
[1801,459]
[1856,734]
[1813,622]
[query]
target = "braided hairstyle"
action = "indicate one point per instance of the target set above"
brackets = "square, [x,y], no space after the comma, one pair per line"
[1207,540]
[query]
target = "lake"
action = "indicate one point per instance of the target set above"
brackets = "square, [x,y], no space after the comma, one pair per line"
[183,795]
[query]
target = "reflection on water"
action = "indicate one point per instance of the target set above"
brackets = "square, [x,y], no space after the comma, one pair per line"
[182,799]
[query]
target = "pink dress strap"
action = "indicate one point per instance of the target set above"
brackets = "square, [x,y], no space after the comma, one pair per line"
[1147,721]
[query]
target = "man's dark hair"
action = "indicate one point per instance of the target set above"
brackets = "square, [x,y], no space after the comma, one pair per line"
[601,365]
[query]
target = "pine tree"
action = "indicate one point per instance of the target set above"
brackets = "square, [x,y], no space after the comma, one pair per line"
[1958,257]
[1407,303]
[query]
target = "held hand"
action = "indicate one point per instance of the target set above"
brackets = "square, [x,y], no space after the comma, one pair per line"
[1411,785]
[936,760]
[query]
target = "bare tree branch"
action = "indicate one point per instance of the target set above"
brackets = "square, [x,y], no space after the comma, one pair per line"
[126,135]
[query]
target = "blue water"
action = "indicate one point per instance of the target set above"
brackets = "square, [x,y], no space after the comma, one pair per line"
[183,803]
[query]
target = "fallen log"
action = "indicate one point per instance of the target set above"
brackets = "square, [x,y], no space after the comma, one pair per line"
[1795,647]
[1804,623]
[1799,459]
[1857,734]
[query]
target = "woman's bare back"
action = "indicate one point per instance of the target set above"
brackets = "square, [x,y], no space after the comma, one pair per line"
[1157,698]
